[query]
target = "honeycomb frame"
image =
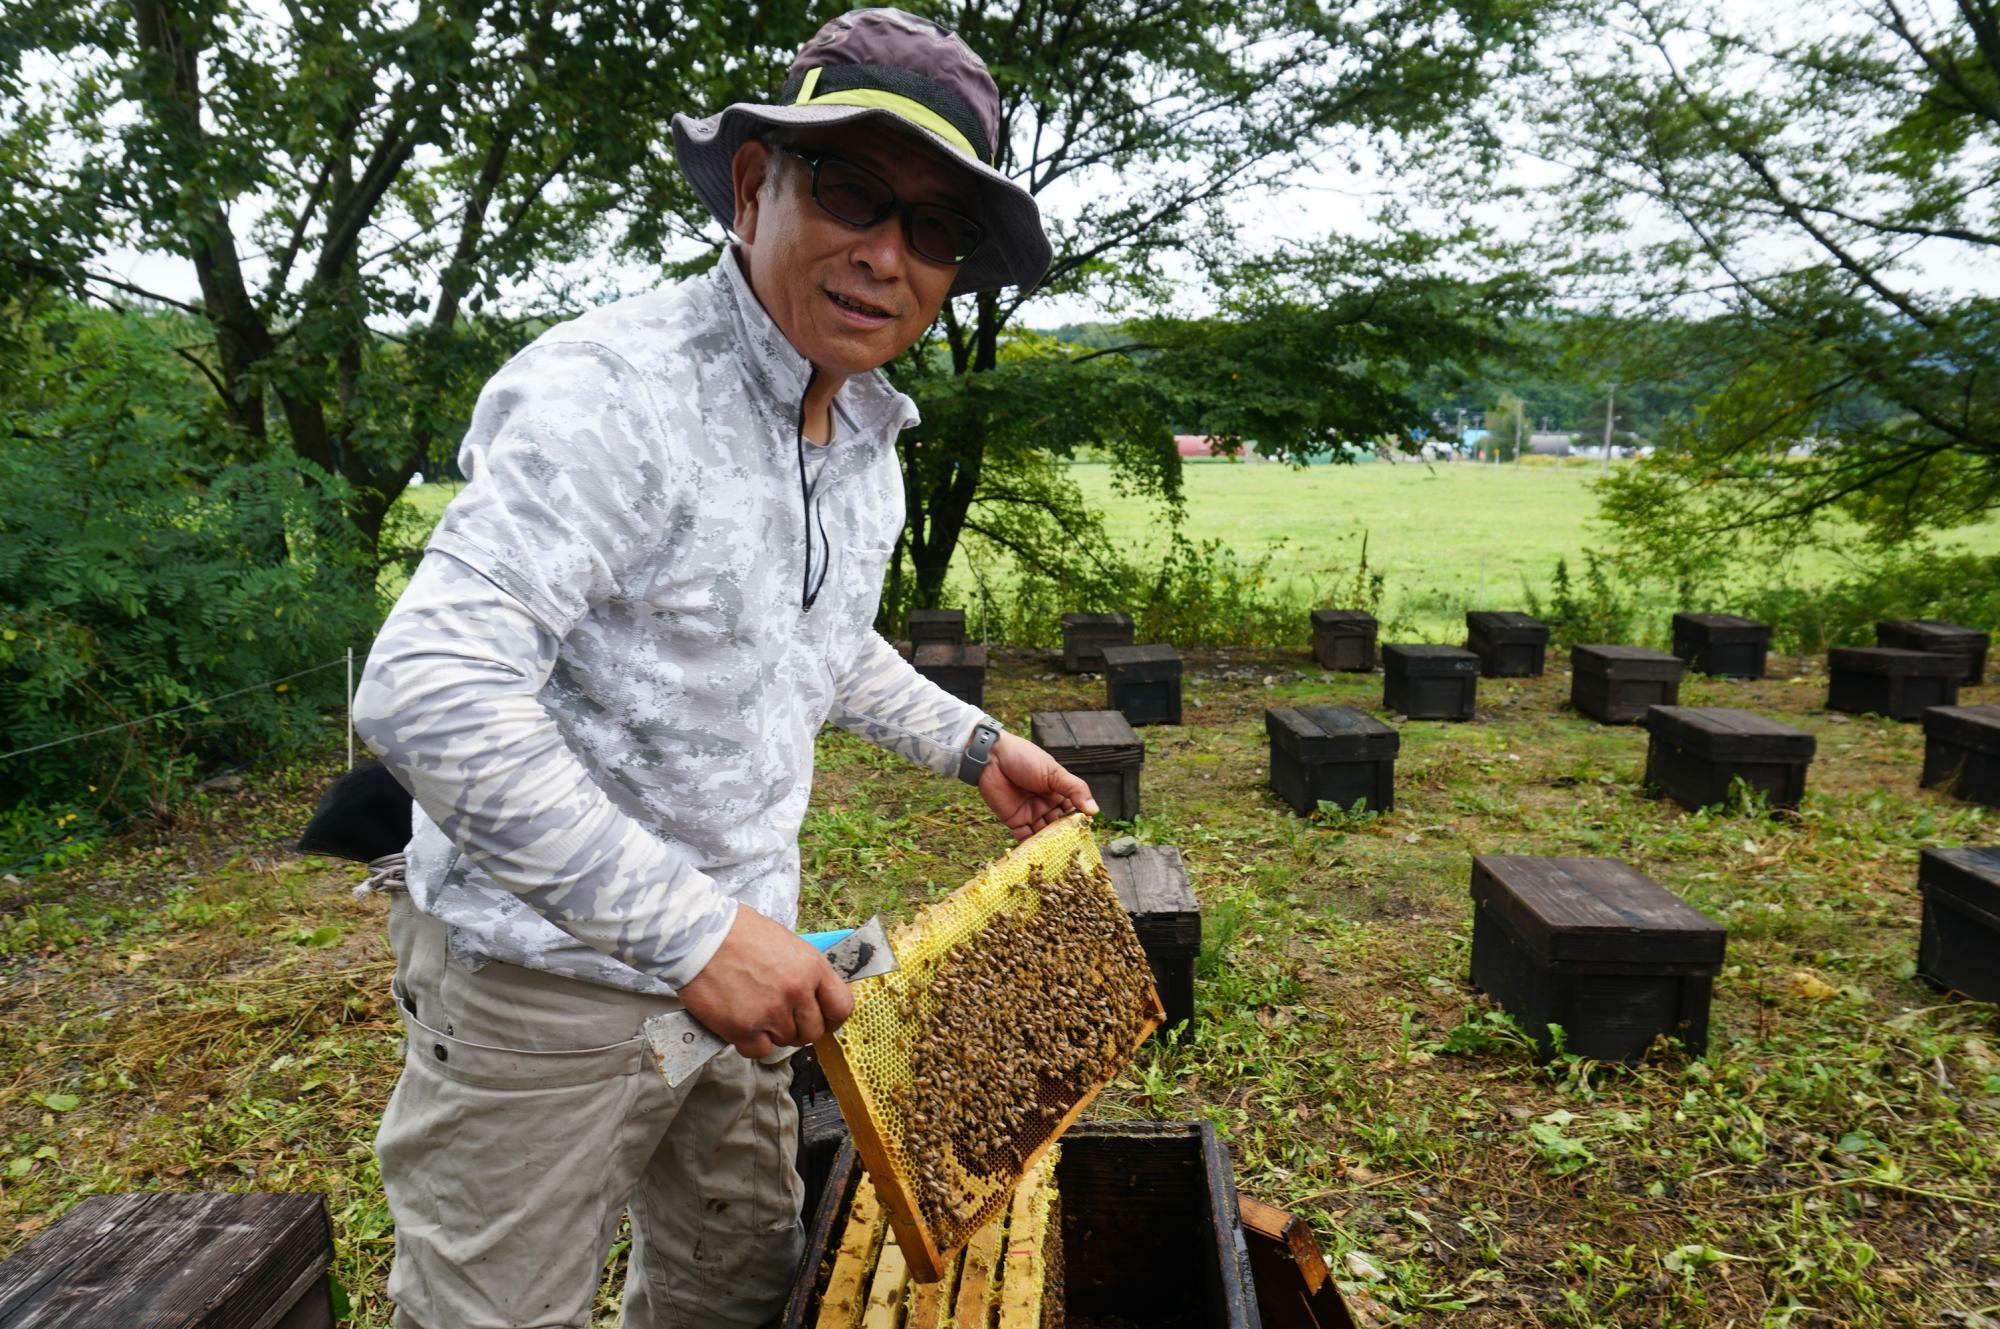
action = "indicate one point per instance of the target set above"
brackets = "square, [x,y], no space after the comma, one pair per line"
[869,1057]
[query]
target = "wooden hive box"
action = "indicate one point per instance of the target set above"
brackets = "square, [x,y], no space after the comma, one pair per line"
[1616,684]
[1086,635]
[1885,680]
[959,670]
[1430,682]
[204,1261]
[1722,645]
[1344,640]
[1143,683]
[1101,747]
[1595,946]
[1509,645]
[1959,945]
[1151,1233]
[1332,754]
[1928,634]
[1152,884]
[1696,752]
[1962,752]
[822,1130]
[936,625]
[1295,1287]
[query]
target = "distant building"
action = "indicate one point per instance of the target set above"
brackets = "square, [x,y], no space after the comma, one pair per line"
[1194,445]
[1551,445]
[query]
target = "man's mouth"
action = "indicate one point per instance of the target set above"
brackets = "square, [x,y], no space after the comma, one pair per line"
[861,307]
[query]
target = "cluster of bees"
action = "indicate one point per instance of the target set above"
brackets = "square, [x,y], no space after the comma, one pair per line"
[1014,1026]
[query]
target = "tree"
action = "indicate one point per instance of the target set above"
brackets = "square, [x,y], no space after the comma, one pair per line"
[350,180]
[1158,115]
[1823,185]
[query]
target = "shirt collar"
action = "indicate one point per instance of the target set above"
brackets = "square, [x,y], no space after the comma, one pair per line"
[780,370]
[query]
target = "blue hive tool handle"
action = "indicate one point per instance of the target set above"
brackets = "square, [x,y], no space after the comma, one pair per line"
[822,941]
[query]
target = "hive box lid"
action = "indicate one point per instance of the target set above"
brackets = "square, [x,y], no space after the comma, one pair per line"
[1628,661]
[1086,621]
[1504,625]
[1093,740]
[1934,632]
[1725,732]
[140,1258]
[1892,660]
[1143,664]
[1152,884]
[1342,618]
[1975,727]
[1595,910]
[1331,733]
[949,655]
[1427,660]
[1721,628]
[1969,875]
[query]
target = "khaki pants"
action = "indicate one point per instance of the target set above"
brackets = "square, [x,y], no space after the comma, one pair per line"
[529,1116]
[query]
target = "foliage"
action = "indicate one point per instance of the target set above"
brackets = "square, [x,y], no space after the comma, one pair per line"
[1161,116]
[1598,607]
[1808,177]
[1914,583]
[144,572]
[351,182]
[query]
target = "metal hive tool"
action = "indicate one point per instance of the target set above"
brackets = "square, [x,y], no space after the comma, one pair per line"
[1018,997]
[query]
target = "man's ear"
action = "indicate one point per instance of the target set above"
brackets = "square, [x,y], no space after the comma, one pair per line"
[748,170]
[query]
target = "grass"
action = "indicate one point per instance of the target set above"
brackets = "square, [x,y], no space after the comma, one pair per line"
[199,1008]
[1447,538]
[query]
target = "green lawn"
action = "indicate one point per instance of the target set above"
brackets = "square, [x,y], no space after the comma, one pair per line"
[1447,538]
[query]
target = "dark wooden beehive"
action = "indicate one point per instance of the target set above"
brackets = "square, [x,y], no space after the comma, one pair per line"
[1696,752]
[1928,634]
[1344,640]
[1596,947]
[1616,684]
[1509,645]
[1143,683]
[1099,746]
[1722,645]
[959,670]
[1429,682]
[1086,635]
[822,1130]
[1152,884]
[1151,1231]
[940,625]
[1962,752]
[1332,754]
[1295,1286]
[1959,947]
[205,1261]
[1884,680]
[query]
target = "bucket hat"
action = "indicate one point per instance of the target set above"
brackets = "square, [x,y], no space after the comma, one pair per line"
[914,76]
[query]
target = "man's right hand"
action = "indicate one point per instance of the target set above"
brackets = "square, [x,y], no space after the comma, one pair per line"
[765,988]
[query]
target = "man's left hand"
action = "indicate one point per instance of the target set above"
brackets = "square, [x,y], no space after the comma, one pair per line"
[1027,788]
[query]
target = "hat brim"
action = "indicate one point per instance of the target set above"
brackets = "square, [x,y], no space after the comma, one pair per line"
[1015,252]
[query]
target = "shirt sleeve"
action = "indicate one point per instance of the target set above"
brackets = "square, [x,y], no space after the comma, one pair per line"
[879,696]
[567,485]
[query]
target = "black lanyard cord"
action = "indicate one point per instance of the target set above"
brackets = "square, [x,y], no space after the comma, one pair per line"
[809,589]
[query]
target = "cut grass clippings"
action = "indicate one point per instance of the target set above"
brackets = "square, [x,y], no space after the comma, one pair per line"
[199,1008]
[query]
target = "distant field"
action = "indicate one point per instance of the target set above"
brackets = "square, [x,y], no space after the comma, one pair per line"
[1447,537]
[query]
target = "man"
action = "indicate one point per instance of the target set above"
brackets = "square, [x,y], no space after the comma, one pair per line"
[602,687]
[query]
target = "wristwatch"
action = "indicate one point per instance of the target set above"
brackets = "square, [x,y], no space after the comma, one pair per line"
[978,752]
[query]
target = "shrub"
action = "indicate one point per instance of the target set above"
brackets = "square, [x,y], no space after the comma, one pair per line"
[146,567]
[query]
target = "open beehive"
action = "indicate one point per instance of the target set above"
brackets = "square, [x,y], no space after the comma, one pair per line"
[1016,999]
[1009,1276]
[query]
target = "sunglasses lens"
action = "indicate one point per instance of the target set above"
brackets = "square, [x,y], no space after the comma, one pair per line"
[857,197]
[943,236]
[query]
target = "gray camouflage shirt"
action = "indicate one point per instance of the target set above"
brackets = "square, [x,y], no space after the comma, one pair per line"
[601,685]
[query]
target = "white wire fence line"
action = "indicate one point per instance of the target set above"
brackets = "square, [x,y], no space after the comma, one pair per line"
[347,659]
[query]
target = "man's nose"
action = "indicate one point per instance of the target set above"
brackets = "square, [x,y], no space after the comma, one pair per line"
[883,249]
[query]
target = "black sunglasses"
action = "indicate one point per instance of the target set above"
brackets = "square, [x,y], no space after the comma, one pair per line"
[859,197]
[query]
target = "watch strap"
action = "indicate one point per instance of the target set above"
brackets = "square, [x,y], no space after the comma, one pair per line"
[978,752]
